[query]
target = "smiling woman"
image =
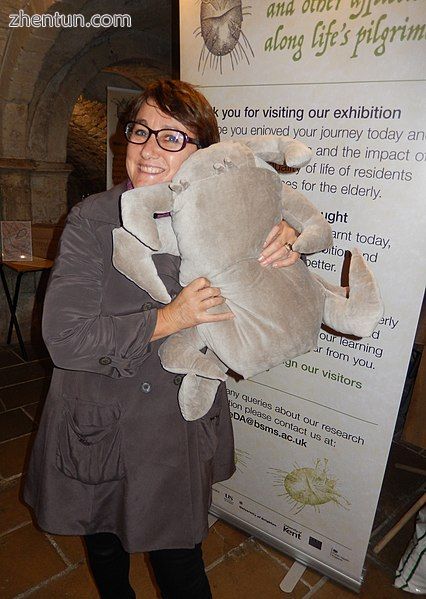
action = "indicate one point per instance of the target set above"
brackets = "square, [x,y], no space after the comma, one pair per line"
[114,461]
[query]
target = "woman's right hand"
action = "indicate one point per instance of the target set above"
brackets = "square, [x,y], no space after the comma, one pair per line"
[189,308]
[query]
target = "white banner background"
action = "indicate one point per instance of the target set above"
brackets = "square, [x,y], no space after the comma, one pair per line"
[313,435]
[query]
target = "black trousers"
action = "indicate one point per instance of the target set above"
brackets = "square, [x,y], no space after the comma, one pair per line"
[179,573]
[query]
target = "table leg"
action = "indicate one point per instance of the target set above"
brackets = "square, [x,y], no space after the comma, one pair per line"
[14,306]
[12,310]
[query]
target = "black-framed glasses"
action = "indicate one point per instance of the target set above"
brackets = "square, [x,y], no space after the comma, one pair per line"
[171,140]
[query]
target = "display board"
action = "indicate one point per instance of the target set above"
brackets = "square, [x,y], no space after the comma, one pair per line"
[346,77]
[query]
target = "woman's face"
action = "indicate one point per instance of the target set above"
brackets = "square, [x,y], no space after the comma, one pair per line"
[148,164]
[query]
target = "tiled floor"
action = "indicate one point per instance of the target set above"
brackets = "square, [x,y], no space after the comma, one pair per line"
[37,565]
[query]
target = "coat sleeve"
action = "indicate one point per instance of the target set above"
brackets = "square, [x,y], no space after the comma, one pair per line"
[77,335]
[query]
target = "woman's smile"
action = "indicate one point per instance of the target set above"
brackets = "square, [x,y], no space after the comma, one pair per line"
[150,169]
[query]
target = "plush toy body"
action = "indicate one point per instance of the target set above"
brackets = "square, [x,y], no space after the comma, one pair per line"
[223,202]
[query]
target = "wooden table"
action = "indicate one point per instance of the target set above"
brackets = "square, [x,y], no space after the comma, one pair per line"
[21,267]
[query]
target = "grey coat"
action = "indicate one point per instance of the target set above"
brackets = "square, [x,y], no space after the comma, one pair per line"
[113,453]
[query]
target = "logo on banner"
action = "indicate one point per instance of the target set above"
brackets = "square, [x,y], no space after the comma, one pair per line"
[293,532]
[315,543]
[221,30]
[228,498]
[334,552]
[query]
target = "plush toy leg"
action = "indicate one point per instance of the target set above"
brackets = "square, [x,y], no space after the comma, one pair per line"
[134,260]
[180,353]
[196,394]
[279,149]
[316,234]
[137,209]
[361,311]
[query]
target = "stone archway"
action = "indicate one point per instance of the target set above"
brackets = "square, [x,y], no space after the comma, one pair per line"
[42,74]
[48,130]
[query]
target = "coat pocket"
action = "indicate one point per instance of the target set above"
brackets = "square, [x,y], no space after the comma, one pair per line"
[89,444]
[207,436]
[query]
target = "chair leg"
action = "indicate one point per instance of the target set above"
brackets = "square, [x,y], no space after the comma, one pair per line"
[405,518]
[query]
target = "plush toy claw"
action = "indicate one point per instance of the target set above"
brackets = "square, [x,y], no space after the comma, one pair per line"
[179,187]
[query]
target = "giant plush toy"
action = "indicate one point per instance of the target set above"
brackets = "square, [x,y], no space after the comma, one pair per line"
[223,202]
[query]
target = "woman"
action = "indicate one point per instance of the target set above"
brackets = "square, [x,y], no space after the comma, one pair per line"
[114,461]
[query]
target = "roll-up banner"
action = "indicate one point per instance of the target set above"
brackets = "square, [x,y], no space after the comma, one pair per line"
[347,78]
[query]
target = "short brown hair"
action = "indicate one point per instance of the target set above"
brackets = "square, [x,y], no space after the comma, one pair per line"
[184,103]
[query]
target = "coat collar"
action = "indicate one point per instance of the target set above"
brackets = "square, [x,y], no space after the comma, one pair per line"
[105,206]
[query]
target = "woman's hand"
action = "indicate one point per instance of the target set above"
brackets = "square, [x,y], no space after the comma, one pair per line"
[190,308]
[277,247]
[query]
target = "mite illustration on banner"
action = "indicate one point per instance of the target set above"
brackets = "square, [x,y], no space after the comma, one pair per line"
[221,30]
[309,486]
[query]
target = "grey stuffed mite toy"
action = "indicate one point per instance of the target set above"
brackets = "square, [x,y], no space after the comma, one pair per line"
[223,202]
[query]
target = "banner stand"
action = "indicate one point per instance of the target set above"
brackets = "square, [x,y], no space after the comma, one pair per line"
[312,435]
[299,556]
[292,577]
